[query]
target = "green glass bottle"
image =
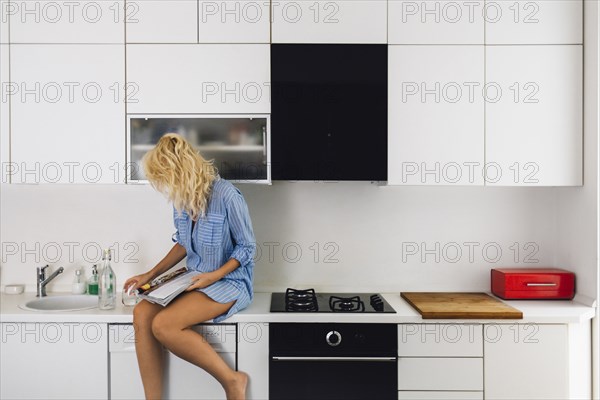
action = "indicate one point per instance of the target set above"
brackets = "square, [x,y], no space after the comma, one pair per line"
[92,283]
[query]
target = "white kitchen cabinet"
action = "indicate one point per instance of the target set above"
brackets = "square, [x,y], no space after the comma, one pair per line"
[440,361]
[433,373]
[161,21]
[47,21]
[242,21]
[182,379]
[526,361]
[200,78]
[534,115]
[67,119]
[439,395]
[53,361]
[440,340]
[4,112]
[534,22]
[253,351]
[4,7]
[435,115]
[435,22]
[324,21]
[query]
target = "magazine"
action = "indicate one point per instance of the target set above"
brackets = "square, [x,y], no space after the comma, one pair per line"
[167,287]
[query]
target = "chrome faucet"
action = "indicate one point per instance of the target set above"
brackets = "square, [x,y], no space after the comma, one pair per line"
[42,281]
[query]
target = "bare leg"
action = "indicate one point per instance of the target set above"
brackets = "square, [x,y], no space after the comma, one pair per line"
[172,328]
[149,350]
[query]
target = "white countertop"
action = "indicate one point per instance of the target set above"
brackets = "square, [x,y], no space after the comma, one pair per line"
[549,311]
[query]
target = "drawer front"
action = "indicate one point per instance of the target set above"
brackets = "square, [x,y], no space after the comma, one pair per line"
[440,373]
[440,340]
[221,337]
[121,338]
[183,380]
[439,395]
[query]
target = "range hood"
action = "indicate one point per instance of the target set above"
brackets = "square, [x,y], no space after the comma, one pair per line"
[329,112]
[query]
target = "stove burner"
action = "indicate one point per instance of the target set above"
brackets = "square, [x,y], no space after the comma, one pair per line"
[301,300]
[376,302]
[346,304]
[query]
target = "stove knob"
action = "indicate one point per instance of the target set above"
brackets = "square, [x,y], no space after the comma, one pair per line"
[333,338]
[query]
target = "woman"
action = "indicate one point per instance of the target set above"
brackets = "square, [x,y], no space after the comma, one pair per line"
[214,231]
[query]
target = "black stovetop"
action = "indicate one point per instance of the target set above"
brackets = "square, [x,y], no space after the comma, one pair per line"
[308,300]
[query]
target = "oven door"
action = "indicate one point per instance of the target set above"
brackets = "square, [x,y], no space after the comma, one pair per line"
[333,378]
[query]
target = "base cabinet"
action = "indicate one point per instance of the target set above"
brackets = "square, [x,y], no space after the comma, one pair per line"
[440,373]
[526,361]
[53,361]
[182,379]
[253,351]
[440,361]
[439,395]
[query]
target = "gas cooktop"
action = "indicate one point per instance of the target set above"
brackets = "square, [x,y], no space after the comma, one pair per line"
[294,300]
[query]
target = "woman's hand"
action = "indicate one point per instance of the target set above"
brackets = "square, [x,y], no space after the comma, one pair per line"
[137,281]
[202,281]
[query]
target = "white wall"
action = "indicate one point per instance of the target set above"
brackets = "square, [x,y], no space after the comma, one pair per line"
[366,223]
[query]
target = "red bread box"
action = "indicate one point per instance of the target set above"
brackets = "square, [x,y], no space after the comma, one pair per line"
[533,283]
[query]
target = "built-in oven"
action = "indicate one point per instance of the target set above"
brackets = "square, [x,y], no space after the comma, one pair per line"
[333,361]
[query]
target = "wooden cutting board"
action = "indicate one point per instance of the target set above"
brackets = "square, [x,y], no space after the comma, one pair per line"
[443,305]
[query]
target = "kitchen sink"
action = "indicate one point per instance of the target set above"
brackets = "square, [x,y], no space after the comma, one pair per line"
[61,303]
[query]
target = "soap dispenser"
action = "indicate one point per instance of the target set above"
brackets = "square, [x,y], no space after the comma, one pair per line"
[79,285]
[92,283]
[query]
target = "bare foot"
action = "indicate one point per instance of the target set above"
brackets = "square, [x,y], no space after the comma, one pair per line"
[236,389]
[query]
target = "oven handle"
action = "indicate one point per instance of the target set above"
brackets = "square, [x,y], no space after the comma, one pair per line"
[369,359]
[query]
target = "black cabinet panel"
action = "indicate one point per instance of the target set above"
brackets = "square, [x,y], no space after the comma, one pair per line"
[329,112]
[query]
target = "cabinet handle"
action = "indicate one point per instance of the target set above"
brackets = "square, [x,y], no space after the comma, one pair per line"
[264,137]
[333,358]
[127,349]
[540,284]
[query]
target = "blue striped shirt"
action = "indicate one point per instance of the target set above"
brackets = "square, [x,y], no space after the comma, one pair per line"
[225,232]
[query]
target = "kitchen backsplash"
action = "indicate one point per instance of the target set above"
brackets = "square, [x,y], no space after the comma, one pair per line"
[343,236]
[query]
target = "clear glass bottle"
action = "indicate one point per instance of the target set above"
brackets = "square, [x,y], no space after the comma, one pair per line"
[106,288]
[92,283]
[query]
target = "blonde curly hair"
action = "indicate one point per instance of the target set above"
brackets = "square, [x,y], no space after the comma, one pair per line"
[175,168]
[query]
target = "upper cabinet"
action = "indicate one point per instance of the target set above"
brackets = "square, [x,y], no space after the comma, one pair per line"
[534,115]
[489,22]
[161,21]
[435,22]
[4,7]
[198,78]
[67,117]
[241,21]
[45,21]
[4,112]
[237,144]
[436,115]
[324,21]
[534,22]
[193,21]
